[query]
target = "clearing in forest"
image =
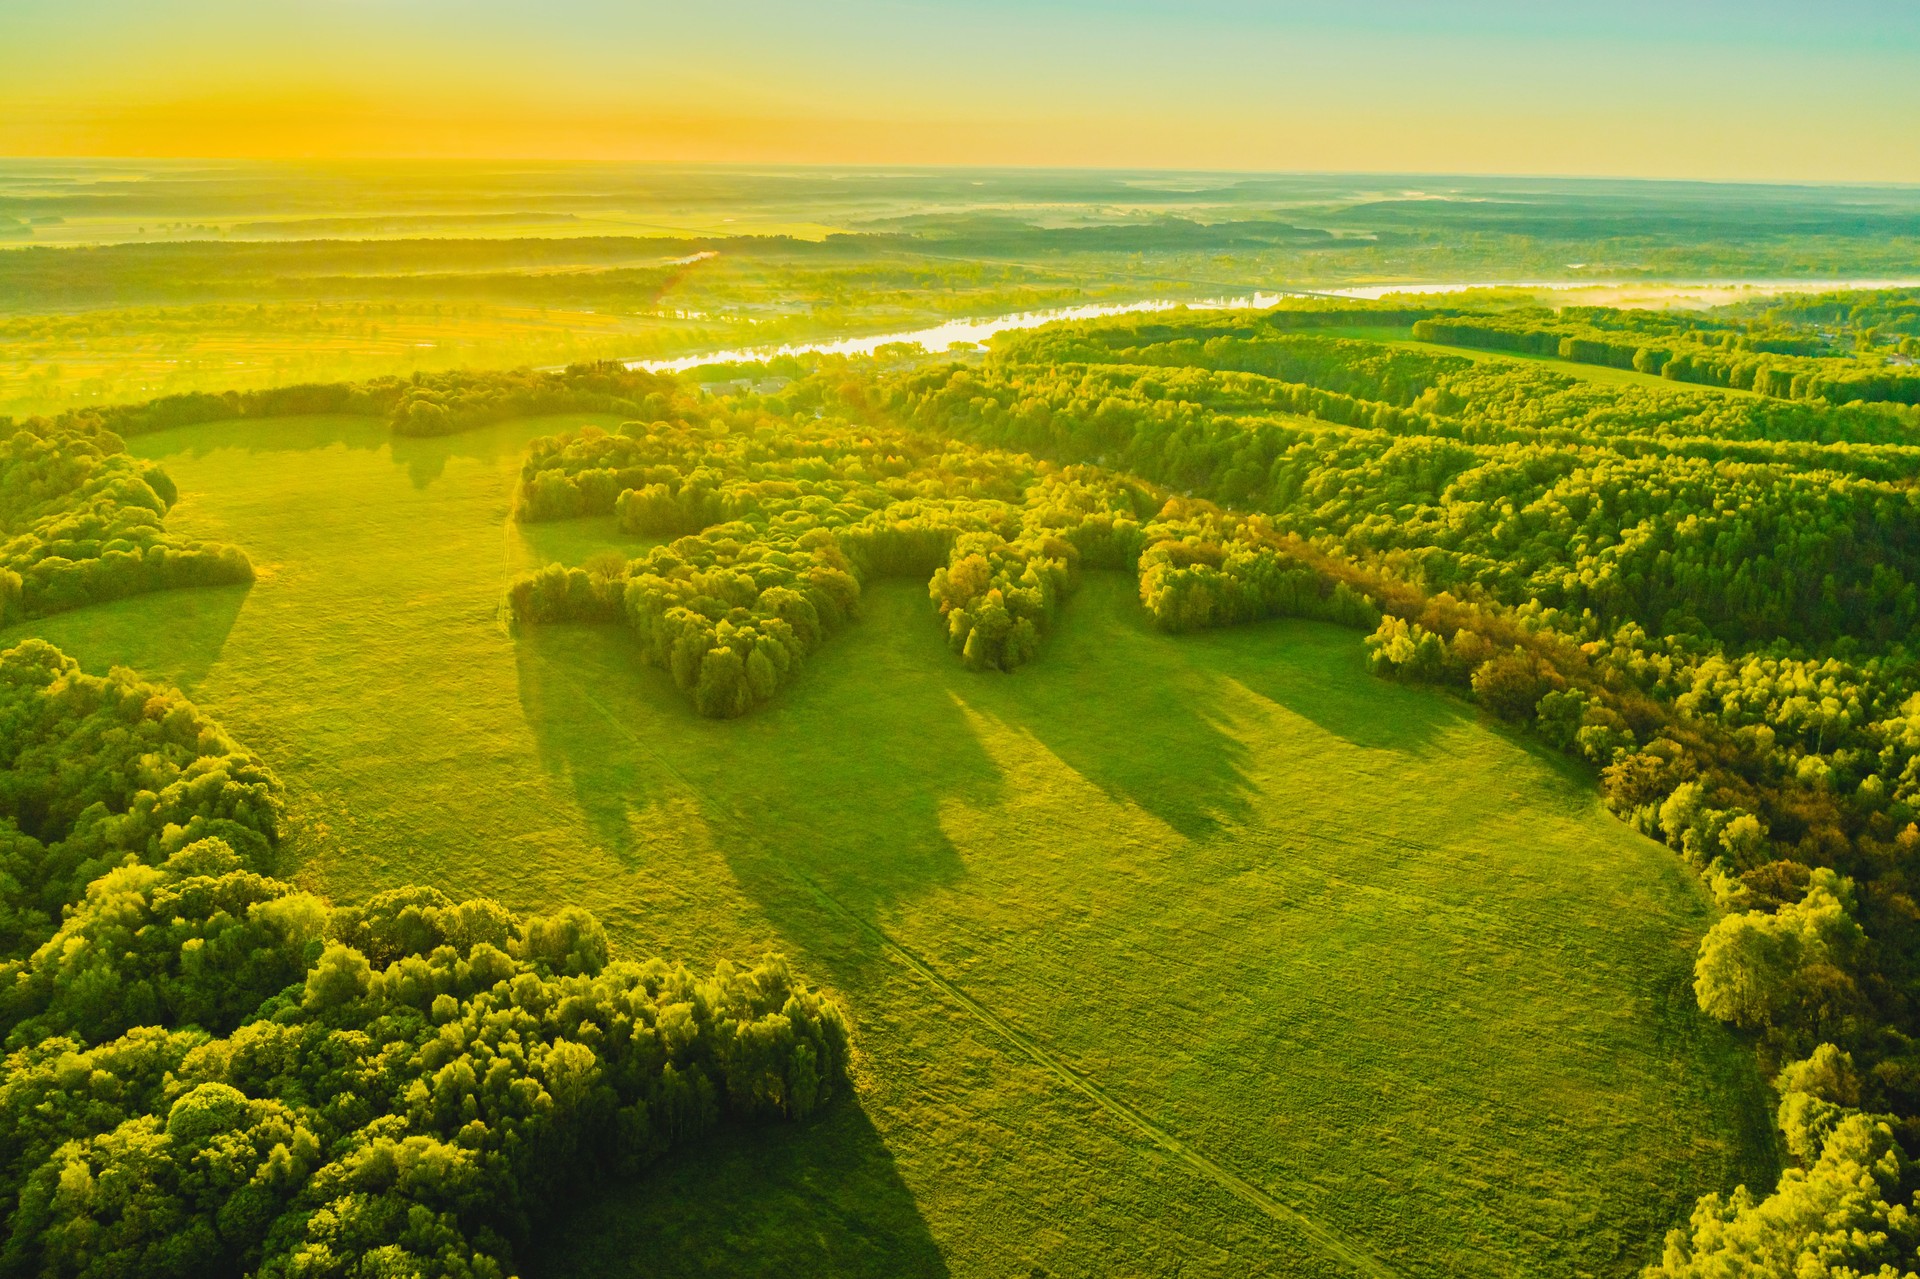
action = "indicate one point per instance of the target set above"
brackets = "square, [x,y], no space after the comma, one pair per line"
[1149,923]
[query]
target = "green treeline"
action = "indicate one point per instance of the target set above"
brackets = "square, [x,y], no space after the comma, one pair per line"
[1364,383]
[1886,311]
[84,522]
[1691,537]
[1202,567]
[424,404]
[1785,367]
[211,1072]
[778,524]
[100,772]
[442,403]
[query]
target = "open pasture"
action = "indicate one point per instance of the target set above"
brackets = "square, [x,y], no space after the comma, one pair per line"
[1167,955]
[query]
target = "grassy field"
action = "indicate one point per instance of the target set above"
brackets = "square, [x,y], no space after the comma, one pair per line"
[49,363]
[1207,956]
[1600,374]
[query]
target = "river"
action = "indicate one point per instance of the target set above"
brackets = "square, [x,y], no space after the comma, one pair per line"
[941,336]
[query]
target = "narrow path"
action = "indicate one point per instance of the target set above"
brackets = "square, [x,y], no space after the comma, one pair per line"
[1348,1252]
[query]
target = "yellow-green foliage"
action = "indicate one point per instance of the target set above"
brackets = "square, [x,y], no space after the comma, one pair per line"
[84,522]
[1784,364]
[101,771]
[783,523]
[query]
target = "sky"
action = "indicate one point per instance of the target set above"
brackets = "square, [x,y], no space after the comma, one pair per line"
[1824,90]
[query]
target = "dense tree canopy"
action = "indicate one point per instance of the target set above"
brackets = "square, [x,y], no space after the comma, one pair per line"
[1731,541]
[211,1072]
[98,773]
[777,525]
[82,521]
[424,404]
[1786,363]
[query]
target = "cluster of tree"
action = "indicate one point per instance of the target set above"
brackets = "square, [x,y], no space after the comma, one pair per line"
[1659,327]
[780,523]
[444,403]
[83,521]
[997,597]
[1054,343]
[729,614]
[95,771]
[1881,313]
[369,399]
[1355,370]
[1787,367]
[1845,1209]
[666,478]
[1669,538]
[1203,567]
[424,404]
[1367,384]
[210,1071]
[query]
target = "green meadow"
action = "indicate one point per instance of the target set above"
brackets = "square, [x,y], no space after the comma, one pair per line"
[1401,337]
[1207,955]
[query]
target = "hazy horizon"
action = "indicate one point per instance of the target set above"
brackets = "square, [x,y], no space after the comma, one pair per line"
[1758,92]
[908,169]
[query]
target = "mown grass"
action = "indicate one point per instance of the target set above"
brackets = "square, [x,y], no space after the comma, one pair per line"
[1285,921]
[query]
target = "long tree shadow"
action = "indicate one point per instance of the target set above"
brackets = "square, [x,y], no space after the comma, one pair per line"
[818,1198]
[838,785]
[843,780]
[426,457]
[1317,671]
[263,435]
[1159,741]
[1158,719]
[595,711]
[173,637]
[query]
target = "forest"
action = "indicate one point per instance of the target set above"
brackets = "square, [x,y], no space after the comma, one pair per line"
[776,528]
[211,1071]
[1676,547]
[1787,361]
